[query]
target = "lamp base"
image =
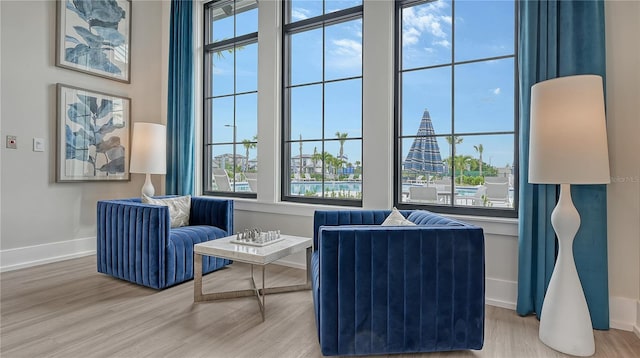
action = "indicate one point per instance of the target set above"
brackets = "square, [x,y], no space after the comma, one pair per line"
[147,188]
[565,322]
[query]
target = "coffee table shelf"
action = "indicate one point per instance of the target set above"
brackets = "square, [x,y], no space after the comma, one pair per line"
[253,255]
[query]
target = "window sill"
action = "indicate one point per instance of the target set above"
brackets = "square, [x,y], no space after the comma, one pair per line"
[491,225]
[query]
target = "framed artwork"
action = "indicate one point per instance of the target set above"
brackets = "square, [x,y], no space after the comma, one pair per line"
[93,134]
[94,37]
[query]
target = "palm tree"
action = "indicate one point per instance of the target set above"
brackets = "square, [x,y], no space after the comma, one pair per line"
[248,144]
[479,148]
[337,163]
[452,140]
[342,137]
[301,163]
[357,163]
[328,160]
[460,162]
[315,158]
[220,54]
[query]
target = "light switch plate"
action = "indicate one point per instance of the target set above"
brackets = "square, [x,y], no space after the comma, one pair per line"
[12,142]
[38,144]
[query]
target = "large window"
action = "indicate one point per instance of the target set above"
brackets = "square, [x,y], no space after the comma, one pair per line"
[322,102]
[231,97]
[456,106]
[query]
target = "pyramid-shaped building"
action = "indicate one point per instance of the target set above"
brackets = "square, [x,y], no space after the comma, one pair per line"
[424,155]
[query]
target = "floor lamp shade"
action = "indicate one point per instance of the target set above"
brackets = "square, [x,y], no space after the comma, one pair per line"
[148,152]
[568,145]
[568,141]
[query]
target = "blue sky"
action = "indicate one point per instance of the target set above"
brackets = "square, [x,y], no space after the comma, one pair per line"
[483,91]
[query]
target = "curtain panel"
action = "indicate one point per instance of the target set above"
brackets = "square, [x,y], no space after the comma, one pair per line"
[181,101]
[559,38]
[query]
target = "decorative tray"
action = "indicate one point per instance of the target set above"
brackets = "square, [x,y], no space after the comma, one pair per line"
[256,243]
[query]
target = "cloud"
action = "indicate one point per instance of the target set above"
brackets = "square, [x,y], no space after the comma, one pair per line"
[491,99]
[299,14]
[428,19]
[345,53]
[221,70]
[345,46]
[410,36]
[348,47]
[443,43]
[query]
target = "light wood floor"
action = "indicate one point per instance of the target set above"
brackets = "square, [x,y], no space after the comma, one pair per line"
[67,309]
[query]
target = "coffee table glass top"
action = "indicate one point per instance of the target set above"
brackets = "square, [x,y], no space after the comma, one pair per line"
[253,254]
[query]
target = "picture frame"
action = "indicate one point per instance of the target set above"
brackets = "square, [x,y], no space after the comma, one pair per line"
[94,37]
[93,135]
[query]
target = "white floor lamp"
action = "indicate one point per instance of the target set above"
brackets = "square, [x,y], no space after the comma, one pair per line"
[568,145]
[148,152]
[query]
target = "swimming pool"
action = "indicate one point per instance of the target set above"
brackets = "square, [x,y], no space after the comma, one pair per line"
[307,187]
[302,188]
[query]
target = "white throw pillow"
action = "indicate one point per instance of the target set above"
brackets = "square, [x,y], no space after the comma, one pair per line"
[396,219]
[179,208]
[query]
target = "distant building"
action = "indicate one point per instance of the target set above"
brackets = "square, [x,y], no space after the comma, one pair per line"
[253,164]
[424,154]
[222,160]
[307,164]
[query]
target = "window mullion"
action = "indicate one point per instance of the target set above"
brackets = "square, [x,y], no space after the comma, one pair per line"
[453,101]
[323,102]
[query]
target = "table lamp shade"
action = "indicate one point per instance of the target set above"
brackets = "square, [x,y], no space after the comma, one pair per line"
[568,142]
[149,149]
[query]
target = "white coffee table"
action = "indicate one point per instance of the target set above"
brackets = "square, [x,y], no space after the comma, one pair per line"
[253,255]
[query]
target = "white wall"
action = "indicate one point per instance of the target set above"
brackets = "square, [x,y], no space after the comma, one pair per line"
[42,219]
[623,126]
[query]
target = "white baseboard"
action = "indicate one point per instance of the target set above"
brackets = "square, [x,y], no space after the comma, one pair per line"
[623,313]
[636,327]
[501,293]
[13,259]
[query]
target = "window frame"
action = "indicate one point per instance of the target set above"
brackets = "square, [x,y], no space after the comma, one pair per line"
[209,48]
[398,136]
[288,29]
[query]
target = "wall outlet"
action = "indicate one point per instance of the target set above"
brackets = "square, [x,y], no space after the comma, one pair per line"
[12,142]
[38,145]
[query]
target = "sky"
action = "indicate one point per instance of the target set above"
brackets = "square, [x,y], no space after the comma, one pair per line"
[484,91]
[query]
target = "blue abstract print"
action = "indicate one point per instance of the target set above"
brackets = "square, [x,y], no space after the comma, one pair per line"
[89,120]
[98,41]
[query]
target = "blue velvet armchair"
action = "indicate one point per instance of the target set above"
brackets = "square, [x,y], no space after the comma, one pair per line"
[397,289]
[135,241]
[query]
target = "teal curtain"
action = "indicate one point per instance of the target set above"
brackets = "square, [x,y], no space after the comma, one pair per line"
[559,38]
[181,101]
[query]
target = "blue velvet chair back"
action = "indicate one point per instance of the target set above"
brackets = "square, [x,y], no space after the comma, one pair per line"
[397,289]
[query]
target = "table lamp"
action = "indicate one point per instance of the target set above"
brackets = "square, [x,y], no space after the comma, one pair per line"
[148,152]
[568,145]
